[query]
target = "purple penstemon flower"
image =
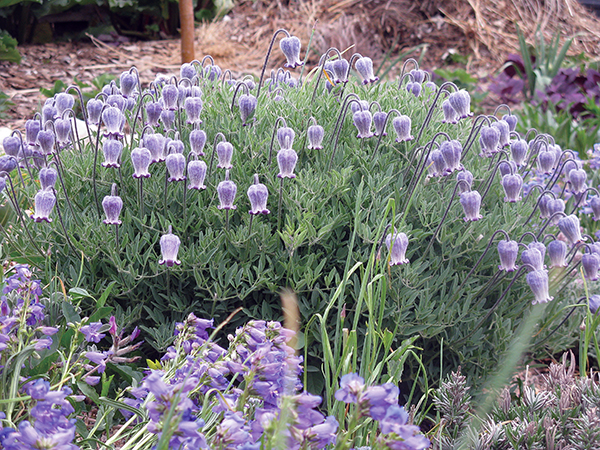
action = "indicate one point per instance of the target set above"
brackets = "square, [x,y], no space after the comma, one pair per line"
[91,332]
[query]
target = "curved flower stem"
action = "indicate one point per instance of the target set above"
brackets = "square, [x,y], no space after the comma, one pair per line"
[403,70]
[83,113]
[165,192]
[548,222]
[584,195]
[387,117]
[227,219]
[96,162]
[20,136]
[477,125]
[74,130]
[557,172]
[573,308]
[59,169]
[279,212]
[212,158]
[500,107]
[322,60]
[279,119]
[262,74]
[491,178]
[141,197]
[139,113]
[237,88]
[117,236]
[342,116]
[540,139]
[342,109]
[421,165]
[544,192]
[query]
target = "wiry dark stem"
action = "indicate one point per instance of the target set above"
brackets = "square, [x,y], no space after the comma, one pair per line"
[549,221]
[218,135]
[277,122]
[237,88]
[584,195]
[262,74]
[279,212]
[342,116]
[83,113]
[477,124]
[322,61]
[544,192]
[59,170]
[491,178]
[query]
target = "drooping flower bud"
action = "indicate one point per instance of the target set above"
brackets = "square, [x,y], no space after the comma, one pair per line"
[511,120]
[509,167]
[46,141]
[226,191]
[285,137]
[94,108]
[518,151]
[397,243]
[44,202]
[362,122]
[418,75]
[62,127]
[198,141]
[287,159]
[471,202]
[258,195]
[416,89]
[591,264]
[112,205]
[569,226]
[452,151]
[187,71]
[364,66]
[141,157]
[196,174]
[48,177]
[578,177]
[128,82]
[538,282]
[504,129]
[153,111]
[315,134]
[11,145]
[360,105]
[62,102]
[7,163]
[450,114]
[224,154]
[116,100]
[213,72]
[340,68]
[540,247]
[32,128]
[379,119]
[402,125]
[440,168]
[508,252]
[545,161]
[555,206]
[247,105]
[489,140]
[290,46]
[170,95]
[169,247]
[467,178]
[167,117]
[594,203]
[193,108]
[175,163]
[461,102]
[512,185]
[49,113]
[156,143]
[112,153]
[594,303]
[114,120]
[557,252]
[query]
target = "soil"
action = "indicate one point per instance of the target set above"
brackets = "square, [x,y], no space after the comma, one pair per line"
[480,36]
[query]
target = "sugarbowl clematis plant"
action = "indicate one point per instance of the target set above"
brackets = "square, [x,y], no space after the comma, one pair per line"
[258,195]
[397,243]
[364,66]
[290,46]
[169,247]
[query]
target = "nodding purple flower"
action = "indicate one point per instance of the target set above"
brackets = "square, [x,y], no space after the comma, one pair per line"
[62,102]
[49,113]
[169,247]
[112,205]
[418,75]
[44,202]
[438,162]
[193,108]
[364,66]
[196,172]
[315,134]
[290,46]
[167,117]
[62,127]
[545,161]
[11,145]
[116,100]
[578,177]
[489,140]
[533,258]
[175,163]
[94,108]
[287,159]
[48,177]
[402,125]
[362,122]
[594,303]
[141,157]
[224,154]
[504,129]
[508,252]
[471,202]
[187,71]
[114,120]
[153,111]
[7,163]
[198,141]
[340,68]
[450,114]
[46,141]
[467,178]
[170,95]
[452,151]
[570,165]
[594,204]
[155,142]
[569,226]
[518,151]
[285,137]
[175,146]
[539,246]
[557,252]
[213,72]
[554,206]
[538,282]
[379,119]
[112,152]
[397,243]
[258,195]
[32,128]
[509,167]
[247,104]
[361,105]
[512,185]
[591,264]
[226,191]
[128,82]
[414,88]
[511,120]
[461,102]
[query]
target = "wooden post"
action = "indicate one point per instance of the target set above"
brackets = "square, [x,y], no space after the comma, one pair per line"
[186,19]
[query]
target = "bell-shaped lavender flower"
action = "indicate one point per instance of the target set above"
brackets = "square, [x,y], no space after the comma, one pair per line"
[452,151]
[538,282]
[315,134]
[258,195]
[509,167]
[364,66]
[48,177]
[578,177]
[247,104]
[116,100]
[594,204]
[415,88]
[504,129]
[112,153]
[226,191]
[489,140]
[418,75]
[114,120]
[94,108]
[397,243]
[44,202]
[112,205]
[402,125]
[169,247]
[554,206]
[167,117]
[511,120]
[570,165]
[379,119]
[440,168]
[518,151]
[285,137]
[187,71]
[46,141]
[512,185]
[32,128]
[591,264]
[62,127]
[49,113]
[540,247]
[450,114]
[533,258]
[175,146]
[471,202]
[196,172]
[141,157]
[557,252]
[62,102]
[461,102]
[467,178]
[287,159]
[340,68]
[153,111]
[7,163]
[594,303]
[569,226]
[360,105]
[175,163]
[224,154]
[128,82]
[213,72]
[11,145]
[508,252]
[545,161]
[193,108]
[290,46]
[170,95]
[362,122]
[156,143]
[198,141]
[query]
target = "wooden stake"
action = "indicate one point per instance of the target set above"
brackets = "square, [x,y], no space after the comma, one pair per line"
[186,19]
